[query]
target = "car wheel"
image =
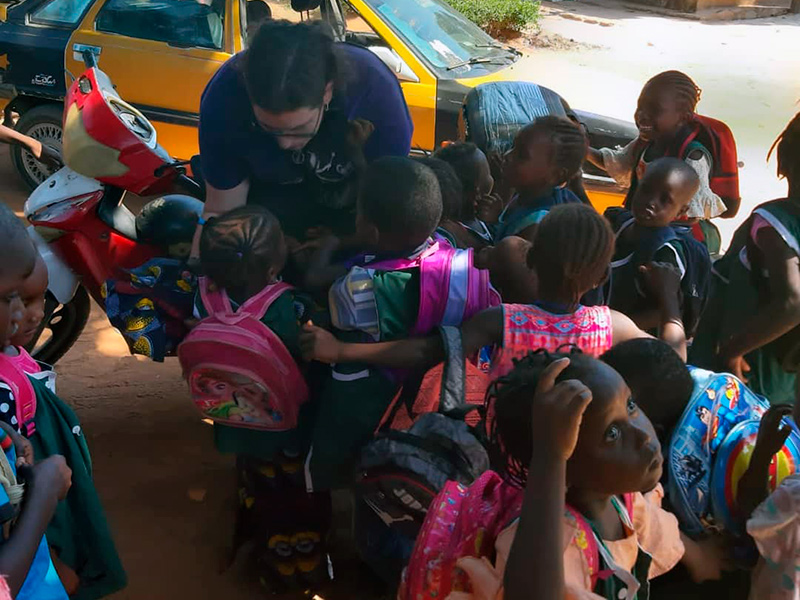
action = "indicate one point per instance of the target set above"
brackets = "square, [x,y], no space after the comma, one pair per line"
[42,123]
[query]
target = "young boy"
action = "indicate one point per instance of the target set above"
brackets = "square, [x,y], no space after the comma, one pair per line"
[659,380]
[405,287]
[24,556]
[648,235]
[81,545]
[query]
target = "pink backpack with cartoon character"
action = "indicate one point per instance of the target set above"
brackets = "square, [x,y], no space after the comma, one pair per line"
[239,371]
[466,521]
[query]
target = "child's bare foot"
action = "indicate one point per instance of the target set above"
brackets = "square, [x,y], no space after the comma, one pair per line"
[69,578]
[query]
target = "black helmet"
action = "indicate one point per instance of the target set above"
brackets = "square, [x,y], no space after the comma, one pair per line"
[169,220]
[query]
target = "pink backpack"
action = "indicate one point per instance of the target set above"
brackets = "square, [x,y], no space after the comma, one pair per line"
[451,289]
[239,371]
[466,521]
[24,395]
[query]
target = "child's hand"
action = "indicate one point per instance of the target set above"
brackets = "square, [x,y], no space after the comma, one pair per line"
[22,446]
[359,131]
[661,279]
[736,365]
[318,344]
[558,410]
[706,559]
[53,475]
[489,208]
[771,433]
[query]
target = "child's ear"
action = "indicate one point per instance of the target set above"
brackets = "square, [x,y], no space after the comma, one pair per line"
[560,176]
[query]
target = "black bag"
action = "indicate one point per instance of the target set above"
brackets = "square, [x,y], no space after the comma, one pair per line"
[401,472]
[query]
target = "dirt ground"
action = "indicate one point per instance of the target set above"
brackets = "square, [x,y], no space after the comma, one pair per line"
[165,488]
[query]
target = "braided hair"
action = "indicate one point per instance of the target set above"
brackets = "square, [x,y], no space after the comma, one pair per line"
[788,150]
[238,250]
[508,404]
[572,251]
[687,94]
[568,142]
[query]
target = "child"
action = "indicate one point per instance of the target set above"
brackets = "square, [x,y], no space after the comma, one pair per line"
[567,428]
[24,556]
[658,378]
[647,235]
[85,557]
[546,156]
[472,168]
[452,191]
[666,117]
[243,252]
[755,297]
[570,255]
[405,287]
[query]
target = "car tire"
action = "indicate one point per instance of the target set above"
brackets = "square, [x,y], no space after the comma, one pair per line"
[44,123]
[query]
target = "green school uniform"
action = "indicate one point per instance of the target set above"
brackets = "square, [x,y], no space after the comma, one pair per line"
[283,317]
[78,531]
[356,396]
[739,288]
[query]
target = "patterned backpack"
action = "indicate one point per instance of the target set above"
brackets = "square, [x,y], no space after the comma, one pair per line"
[466,521]
[711,448]
[239,371]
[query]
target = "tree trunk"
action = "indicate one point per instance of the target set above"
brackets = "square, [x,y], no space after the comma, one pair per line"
[795,8]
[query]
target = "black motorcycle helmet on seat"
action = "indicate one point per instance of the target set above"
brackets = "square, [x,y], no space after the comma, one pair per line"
[170,221]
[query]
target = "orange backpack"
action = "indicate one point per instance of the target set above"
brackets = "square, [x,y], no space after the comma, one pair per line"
[717,137]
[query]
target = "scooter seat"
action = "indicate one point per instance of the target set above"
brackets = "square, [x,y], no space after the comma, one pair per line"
[169,220]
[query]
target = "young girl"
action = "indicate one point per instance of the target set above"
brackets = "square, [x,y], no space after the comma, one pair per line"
[666,117]
[472,168]
[81,545]
[545,158]
[243,252]
[24,556]
[570,255]
[568,428]
[755,296]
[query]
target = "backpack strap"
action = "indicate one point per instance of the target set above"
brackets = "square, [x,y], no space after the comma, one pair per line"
[215,301]
[258,305]
[218,304]
[453,397]
[586,541]
[24,396]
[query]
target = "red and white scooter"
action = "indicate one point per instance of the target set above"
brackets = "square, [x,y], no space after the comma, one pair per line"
[79,221]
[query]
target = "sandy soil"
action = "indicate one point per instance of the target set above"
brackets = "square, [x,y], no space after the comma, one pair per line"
[152,454]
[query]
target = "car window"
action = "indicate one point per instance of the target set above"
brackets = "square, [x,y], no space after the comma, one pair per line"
[60,12]
[447,39]
[181,23]
[283,10]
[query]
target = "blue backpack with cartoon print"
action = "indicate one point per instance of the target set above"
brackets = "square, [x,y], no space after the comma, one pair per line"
[711,448]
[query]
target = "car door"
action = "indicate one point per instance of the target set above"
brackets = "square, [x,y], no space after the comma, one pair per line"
[160,54]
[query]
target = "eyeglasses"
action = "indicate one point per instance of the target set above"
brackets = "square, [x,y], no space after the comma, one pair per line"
[306,135]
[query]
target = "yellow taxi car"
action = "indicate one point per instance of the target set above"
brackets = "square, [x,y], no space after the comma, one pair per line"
[162,53]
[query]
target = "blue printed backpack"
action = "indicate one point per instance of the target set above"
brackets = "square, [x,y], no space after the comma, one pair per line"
[710,451]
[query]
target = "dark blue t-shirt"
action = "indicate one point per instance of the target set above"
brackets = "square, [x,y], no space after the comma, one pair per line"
[233,148]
